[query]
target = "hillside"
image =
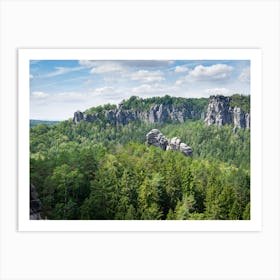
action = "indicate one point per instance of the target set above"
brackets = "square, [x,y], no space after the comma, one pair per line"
[217,110]
[37,122]
[103,165]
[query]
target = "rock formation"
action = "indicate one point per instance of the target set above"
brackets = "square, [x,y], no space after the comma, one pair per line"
[219,112]
[35,204]
[157,113]
[239,120]
[78,116]
[157,139]
[175,144]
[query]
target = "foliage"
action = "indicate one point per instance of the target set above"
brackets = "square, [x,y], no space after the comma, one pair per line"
[241,101]
[106,172]
[37,122]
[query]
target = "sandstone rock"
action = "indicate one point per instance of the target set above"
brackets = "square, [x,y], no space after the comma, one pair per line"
[239,120]
[35,204]
[157,139]
[174,143]
[186,150]
[218,111]
[111,115]
[78,116]
[248,120]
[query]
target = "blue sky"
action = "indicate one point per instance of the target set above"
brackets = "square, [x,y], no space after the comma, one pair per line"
[60,87]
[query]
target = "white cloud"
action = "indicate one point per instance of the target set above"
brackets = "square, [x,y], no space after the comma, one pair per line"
[181,80]
[106,68]
[61,70]
[213,72]
[69,97]
[39,95]
[141,89]
[31,77]
[245,75]
[217,91]
[87,63]
[147,90]
[128,63]
[181,69]
[146,63]
[102,91]
[147,76]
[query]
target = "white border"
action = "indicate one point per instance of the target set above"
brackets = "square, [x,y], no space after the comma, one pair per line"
[254,55]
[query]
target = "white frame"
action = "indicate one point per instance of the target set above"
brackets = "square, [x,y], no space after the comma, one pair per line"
[254,55]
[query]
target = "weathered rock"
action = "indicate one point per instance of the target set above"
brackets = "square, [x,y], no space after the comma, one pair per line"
[248,121]
[157,139]
[239,120]
[35,204]
[186,150]
[175,144]
[157,113]
[111,115]
[78,116]
[218,111]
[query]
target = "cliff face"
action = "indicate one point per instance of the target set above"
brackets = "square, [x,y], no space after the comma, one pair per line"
[220,112]
[157,113]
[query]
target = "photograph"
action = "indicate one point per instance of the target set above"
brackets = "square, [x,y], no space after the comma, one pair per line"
[140,139]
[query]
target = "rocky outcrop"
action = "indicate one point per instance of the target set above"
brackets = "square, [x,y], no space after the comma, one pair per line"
[220,112]
[78,116]
[35,204]
[157,139]
[175,144]
[157,113]
[248,120]
[239,120]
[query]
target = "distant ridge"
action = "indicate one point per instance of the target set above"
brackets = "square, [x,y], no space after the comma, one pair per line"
[37,122]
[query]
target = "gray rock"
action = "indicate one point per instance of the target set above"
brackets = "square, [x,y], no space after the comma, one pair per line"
[186,150]
[239,120]
[174,144]
[78,116]
[157,113]
[111,115]
[35,204]
[218,112]
[157,139]
[248,120]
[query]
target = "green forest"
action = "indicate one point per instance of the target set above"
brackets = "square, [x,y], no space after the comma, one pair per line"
[99,171]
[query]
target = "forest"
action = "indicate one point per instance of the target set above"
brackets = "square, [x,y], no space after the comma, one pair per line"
[99,171]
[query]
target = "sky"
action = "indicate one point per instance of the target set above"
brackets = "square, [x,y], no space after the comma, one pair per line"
[58,88]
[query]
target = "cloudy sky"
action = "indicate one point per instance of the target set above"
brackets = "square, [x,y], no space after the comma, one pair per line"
[60,87]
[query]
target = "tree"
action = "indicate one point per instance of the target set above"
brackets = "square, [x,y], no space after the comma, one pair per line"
[149,196]
[67,181]
[246,214]
[185,207]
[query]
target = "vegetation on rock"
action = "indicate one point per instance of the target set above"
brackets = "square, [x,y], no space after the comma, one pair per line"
[99,170]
